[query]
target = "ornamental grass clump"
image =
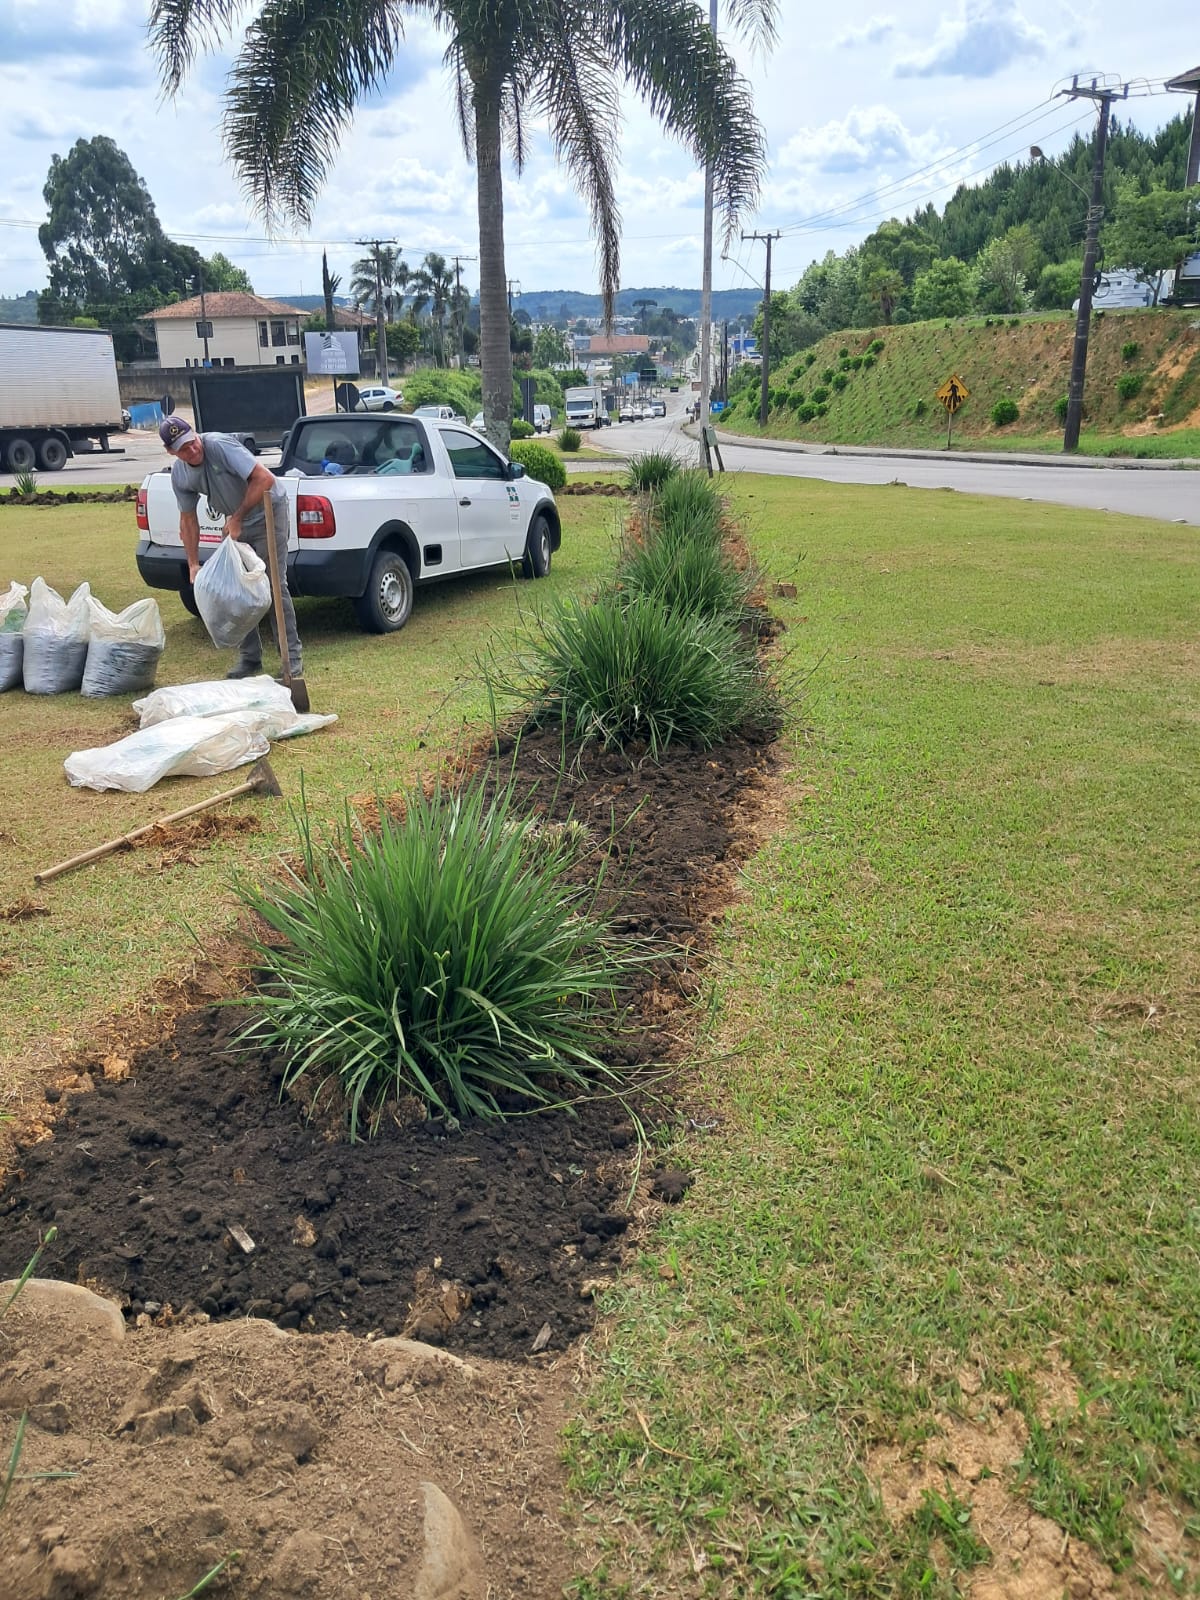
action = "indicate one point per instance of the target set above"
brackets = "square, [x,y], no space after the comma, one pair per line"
[624,669]
[445,956]
[688,505]
[651,469]
[687,575]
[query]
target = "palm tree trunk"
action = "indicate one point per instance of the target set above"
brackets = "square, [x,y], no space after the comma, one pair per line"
[495,356]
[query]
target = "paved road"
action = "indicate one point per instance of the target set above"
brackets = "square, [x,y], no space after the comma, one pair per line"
[1143,492]
[1171,496]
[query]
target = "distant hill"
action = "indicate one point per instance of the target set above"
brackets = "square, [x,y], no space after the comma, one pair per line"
[545,304]
[19,308]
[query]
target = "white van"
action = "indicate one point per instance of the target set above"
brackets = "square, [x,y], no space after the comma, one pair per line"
[543,419]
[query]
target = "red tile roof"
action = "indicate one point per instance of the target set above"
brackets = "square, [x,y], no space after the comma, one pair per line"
[225,303]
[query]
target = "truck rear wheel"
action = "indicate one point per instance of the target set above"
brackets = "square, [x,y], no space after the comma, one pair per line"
[22,457]
[188,596]
[52,453]
[386,604]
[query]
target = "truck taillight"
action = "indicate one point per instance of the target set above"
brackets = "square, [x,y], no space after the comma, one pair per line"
[314,517]
[143,520]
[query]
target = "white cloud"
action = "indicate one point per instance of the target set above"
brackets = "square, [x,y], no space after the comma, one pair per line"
[987,37]
[865,140]
[873,31]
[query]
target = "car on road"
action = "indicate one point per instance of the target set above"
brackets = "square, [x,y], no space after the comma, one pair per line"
[379,506]
[441,413]
[543,419]
[657,408]
[379,398]
[626,412]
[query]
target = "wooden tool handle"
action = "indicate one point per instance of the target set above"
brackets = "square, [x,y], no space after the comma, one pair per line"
[128,840]
[285,654]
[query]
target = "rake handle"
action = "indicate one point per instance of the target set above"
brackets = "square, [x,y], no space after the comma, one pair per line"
[128,840]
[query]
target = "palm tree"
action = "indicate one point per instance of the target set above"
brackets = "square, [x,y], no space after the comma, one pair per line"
[437,282]
[305,65]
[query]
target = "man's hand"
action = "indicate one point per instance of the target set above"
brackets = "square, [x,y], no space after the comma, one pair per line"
[193,571]
[233,526]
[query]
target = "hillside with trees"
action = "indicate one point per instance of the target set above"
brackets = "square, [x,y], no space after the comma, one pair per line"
[1008,245]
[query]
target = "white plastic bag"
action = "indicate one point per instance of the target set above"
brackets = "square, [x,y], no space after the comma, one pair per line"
[124,648]
[212,699]
[196,747]
[233,593]
[56,639]
[13,612]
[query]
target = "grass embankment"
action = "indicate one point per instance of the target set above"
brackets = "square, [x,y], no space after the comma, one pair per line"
[110,930]
[1025,359]
[946,1211]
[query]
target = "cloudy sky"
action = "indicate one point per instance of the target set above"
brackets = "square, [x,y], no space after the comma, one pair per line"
[869,110]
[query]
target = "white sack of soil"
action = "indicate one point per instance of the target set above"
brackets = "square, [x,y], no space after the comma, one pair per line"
[188,747]
[13,612]
[123,649]
[56,639]
[192,747]
[212,699]
[232,593]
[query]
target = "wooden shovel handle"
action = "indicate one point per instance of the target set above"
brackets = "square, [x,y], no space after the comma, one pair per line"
[285,654]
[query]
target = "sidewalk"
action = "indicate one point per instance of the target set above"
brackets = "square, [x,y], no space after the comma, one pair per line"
[1025,458]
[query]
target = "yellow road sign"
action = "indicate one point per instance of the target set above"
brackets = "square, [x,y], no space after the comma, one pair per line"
[953,392]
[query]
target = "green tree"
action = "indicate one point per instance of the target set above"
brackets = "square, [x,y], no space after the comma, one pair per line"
[434,281]
[1003,270]
[330,283]
[305,65]
[549,348]
[221,274]
[945,289]
[102,227]
[792,327]
[885,288]
[1153,232]
[1058,285]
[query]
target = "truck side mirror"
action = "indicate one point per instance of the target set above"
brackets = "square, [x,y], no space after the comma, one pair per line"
[516,469]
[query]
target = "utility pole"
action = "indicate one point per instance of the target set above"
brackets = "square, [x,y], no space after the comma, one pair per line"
[203,313]
[768,239]
[706,273]
[381,355]
[1104,98]
[511,282]
[458,315]
[725,361]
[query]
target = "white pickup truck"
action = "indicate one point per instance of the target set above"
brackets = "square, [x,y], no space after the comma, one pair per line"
[379,503]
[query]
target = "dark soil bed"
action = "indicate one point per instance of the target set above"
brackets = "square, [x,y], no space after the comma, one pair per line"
[487,1239]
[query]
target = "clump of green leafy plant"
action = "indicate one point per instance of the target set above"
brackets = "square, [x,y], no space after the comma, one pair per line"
[840,380]
[1004,412]
[25,483]
[522,429]
[810,357]
[1129,384]
[438,956]
[688,505]
[687,573]
[626,669]
[820,394]
[1130,349]
[570,440]
[539,462]
[876,346]
[651,469]
[1061,407]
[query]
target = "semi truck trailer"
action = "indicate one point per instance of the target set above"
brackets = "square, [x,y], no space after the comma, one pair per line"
[58,395]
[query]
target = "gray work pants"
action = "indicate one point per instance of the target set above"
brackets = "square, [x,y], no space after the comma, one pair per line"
[250,652]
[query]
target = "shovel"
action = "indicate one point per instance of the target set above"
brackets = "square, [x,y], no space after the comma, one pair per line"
[296,686]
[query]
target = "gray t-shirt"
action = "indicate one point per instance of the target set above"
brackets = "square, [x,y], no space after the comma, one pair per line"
[221,478]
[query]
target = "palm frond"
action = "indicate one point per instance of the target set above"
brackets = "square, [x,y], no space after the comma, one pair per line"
[303,68]
[578,93]
[180,30]
[692,85]
[755,21]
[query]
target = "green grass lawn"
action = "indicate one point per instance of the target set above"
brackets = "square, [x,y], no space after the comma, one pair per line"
[949,1068]
[946,1136]
[404,701]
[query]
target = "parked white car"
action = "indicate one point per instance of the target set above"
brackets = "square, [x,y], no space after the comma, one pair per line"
[379,398]
[379,505]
